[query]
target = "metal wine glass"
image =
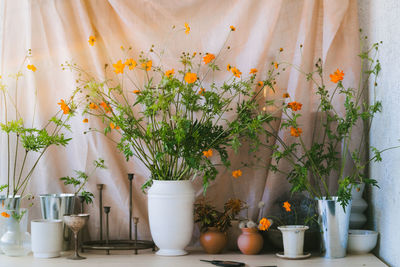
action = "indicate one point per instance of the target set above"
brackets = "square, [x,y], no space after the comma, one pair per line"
[76,222]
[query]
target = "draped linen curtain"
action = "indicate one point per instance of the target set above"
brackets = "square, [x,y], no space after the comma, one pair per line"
[58,31]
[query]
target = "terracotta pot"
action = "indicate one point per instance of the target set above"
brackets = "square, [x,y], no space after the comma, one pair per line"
[250,242]
[213,241]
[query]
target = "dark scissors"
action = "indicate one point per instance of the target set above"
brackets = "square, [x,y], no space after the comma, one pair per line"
[225,263]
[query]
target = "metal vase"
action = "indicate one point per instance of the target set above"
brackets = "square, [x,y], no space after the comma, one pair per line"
[11,202]
[334,224]
[54,206]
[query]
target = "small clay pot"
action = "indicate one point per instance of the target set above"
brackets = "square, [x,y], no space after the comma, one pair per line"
[250,242]
[213,241]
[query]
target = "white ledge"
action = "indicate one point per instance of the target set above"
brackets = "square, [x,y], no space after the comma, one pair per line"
[149,259]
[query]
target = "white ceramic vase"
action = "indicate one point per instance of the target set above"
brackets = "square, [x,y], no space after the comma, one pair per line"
[170,205]
[359,205]
[47,238]
[293,240]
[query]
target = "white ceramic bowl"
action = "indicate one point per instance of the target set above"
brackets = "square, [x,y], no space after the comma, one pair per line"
[361,241]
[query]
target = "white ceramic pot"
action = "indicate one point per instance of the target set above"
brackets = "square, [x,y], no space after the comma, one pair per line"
[170,205]
[47,238]
[358,206]
[293,239]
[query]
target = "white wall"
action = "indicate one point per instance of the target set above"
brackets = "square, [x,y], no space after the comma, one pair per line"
[380,20]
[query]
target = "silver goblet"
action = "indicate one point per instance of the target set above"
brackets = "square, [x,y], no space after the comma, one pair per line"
[76,222]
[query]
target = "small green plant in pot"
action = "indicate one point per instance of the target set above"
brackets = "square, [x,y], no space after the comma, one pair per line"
[214,223]
[81,180]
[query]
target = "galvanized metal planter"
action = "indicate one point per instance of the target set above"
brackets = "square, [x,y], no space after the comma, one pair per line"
[334,225]
[54,206]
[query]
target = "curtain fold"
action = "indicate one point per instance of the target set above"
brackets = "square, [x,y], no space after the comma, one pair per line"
[58,31]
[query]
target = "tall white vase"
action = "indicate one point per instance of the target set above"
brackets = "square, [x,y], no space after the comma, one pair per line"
[170,205]
[357,217]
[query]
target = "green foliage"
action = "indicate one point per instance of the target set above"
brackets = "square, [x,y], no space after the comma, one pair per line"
[208,216]
[312,164]
[22,140]
[168,123]
[82,178]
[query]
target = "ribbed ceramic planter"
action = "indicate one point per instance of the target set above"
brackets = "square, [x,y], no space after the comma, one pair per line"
[358,206]
[293,239]
[170,205]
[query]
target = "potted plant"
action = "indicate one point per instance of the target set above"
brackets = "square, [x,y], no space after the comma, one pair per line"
[176,122]
[293,235]
[250,242]
[295,209]
[214,224]
[54,206]
[315,157]
[26,143]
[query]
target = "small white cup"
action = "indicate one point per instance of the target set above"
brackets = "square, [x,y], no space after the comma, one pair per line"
[46,238]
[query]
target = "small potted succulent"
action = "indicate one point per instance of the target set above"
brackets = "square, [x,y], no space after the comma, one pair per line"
[214,223]
[251,242]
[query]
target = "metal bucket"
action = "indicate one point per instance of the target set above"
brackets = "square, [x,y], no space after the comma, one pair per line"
[334,225]
[54,206]
[11,202]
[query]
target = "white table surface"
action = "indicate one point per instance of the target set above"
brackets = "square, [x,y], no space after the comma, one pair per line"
[147,258]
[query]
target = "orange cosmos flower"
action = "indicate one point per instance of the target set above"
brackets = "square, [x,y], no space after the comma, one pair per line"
[286,95]
[208,58]
[93,106]
[237,173]
[31,67]
[106,107]
[236,72]
[337,76]
[169,73]
[5,214]
[92,39]
[187,28]
[190,77]
[147,65]
[131,63]
[201,91]
[85,121]
[295,106]
[208,153]
[112,125]
[276,65]
[64,107]
[252,71]
[228,67]
[296,132]
[287,206]
[232,28]
[136,92]
[260,83]
[265,224]
[119,67]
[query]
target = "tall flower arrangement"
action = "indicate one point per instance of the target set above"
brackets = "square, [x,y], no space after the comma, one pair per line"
[25,140]
[175,122]
[332,138]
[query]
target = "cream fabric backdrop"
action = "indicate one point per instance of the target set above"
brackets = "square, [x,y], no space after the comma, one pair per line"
[58,30]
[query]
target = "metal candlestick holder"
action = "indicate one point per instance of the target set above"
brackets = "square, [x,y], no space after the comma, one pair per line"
[107,245]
